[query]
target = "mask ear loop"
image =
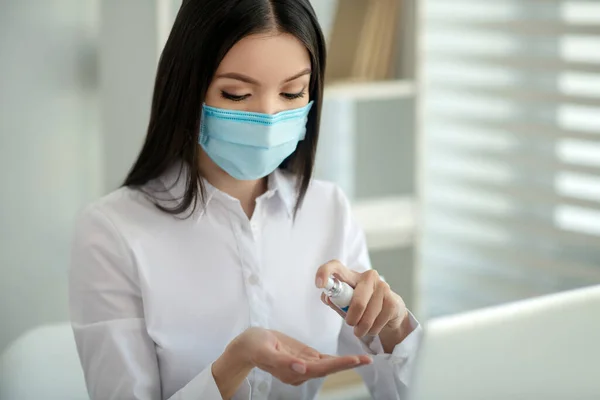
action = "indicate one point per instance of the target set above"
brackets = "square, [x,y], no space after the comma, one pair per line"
[203,139]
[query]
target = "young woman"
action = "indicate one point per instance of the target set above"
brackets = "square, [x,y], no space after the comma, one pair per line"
[201,277]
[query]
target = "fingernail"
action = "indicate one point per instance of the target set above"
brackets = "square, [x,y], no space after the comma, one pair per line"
[319,282]
[299,368]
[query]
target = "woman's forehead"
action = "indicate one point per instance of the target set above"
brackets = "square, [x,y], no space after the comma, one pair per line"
[267,58]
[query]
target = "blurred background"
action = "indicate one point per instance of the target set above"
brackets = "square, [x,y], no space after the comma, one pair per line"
[466,133]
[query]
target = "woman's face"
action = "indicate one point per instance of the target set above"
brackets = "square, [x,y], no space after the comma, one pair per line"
[265,73]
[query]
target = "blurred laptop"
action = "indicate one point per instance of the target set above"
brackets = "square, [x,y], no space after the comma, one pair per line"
[543,348]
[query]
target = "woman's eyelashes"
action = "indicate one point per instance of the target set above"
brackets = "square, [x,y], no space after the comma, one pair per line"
[234,97]
[285,95]
[294,96]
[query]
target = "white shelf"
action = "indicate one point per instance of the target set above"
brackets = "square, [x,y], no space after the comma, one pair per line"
[388,222]
[361,91]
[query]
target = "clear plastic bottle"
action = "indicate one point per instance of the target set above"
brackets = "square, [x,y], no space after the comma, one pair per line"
[340,293]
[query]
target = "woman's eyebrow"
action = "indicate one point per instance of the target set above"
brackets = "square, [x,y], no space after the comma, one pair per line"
[305,71]
[239,77]
[252,81]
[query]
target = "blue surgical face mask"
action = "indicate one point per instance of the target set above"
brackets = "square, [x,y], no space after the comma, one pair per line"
[249,145]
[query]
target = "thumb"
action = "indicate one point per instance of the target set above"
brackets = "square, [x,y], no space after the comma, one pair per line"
[335,308]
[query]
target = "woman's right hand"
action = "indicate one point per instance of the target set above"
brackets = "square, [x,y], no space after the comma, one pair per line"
[285,358]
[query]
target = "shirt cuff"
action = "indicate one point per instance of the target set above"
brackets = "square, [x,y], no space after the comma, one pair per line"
[410,345]
[372,344]
[403,353]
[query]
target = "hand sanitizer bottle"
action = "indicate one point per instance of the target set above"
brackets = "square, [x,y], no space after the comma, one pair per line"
[340,293]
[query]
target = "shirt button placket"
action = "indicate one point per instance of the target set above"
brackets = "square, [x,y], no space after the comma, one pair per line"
[258,304]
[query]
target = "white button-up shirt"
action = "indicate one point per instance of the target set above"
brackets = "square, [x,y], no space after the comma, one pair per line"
[155,298]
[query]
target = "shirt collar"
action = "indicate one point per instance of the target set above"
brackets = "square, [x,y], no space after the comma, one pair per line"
[280,183]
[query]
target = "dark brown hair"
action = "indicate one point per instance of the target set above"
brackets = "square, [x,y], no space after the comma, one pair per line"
[203,32]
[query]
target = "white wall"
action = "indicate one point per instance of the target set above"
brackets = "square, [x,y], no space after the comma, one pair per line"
[129,46]
[49,152]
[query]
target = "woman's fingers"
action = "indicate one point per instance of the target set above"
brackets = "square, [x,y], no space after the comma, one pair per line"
[290,362]
[338,269]
[374,309]
[335,308]
[361,297]
[324,299]
[373,304]
[367,311]
[279,360]
[362,360]
[292,370]
[285,367]
[330,365]
[388,312]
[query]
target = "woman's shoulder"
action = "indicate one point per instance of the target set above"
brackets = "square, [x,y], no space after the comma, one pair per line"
[325,199]
[320,193]
[122,201]
[319,190]
[122,209]
[327,193]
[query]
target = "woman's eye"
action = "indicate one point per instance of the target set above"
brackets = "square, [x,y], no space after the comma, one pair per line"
[234,97]
[293,96]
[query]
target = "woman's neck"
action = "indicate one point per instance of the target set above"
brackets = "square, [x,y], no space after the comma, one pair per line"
[245,191]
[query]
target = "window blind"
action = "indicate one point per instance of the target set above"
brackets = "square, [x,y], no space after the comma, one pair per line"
[511,159]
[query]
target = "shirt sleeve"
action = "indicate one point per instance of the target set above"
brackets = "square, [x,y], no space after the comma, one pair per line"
[117,354]
[389,375]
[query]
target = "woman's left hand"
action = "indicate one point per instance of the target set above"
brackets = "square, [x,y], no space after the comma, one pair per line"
[375,309]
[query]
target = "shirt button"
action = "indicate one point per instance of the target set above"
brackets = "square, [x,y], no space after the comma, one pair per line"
[262,387]
[253,279]
[254,226]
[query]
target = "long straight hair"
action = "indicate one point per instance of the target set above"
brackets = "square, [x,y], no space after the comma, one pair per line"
[203,32]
